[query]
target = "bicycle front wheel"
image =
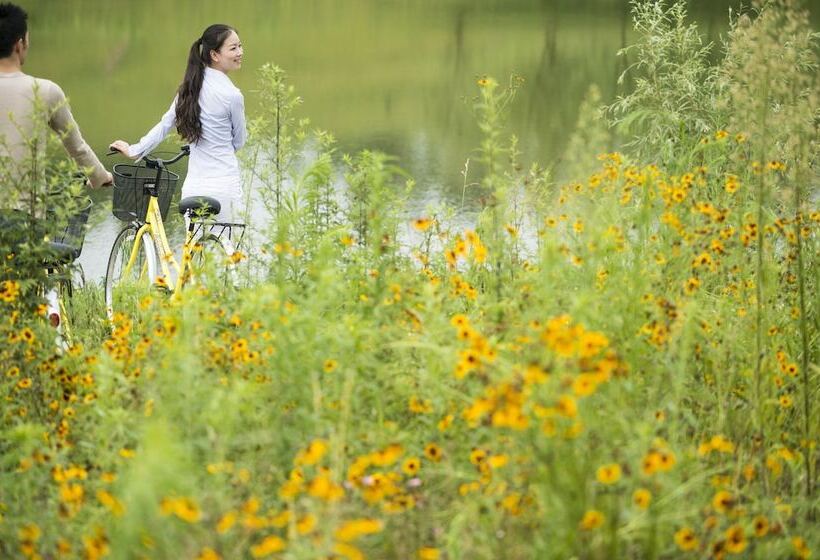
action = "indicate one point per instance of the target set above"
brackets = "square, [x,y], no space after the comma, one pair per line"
[132,268]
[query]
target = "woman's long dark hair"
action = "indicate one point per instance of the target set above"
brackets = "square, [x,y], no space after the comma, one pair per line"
[187,117]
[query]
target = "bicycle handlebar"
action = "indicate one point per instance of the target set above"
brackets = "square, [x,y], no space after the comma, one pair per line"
[155,163]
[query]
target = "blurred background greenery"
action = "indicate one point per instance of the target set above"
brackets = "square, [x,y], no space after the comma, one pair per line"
[394,75]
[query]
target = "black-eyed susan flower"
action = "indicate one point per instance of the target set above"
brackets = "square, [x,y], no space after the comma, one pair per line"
[312,454]
[723,501]
[608,474]
[566,406]
[477,456]
[445,422]
[760,525]
[356,528]
[433,452]
[592,519]
[642,498]
[208,553]
[268,546]
[419,406]
[801,549]
[306,524]
[387,456]
[691,285]
[686,539]
[422,224]
[428,553]
[227,521]
[411,466]
[9,291]
[735,539]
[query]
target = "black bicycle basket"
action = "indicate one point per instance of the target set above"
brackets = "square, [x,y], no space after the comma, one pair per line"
[130,201]
[72,235]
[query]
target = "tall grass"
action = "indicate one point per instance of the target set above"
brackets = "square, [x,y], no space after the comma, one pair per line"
[621,366]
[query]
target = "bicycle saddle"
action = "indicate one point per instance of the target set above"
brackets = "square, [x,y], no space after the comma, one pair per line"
[202,206]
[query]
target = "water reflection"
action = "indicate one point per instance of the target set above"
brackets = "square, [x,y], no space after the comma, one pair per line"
[394,75]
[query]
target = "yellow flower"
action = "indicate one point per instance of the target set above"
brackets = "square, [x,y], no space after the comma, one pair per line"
[387,456]
[352,530]
[110,502]
[566,406]
[433,452]
[609,474]
[71,493]
[419,406]
[24,383]
[497,461]
[422,224]
[9,290]
[324,488]
[428,553]
[686,539]
[312,454]
[348,551]
[592,520]
[184,508]
[267,547]
[29,532]
[306,524]
[691,286]
[723,501]
[329,365]
[411,466]
[735,539]
[801,548]
[208,554]
[27,335]
[761,526]
[226,522]
[642,498]
[445,422]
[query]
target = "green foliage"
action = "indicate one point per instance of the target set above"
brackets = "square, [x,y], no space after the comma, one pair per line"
[672,102]
[630,378]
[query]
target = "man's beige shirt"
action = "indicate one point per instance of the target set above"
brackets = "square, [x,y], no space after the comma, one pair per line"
[17,93]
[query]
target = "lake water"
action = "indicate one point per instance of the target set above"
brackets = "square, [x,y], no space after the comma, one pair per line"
[391,75]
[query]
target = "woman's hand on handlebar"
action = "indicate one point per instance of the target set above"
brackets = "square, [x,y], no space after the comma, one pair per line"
[123,147]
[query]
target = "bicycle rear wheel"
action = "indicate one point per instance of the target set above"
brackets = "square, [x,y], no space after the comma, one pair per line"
[132,268]
[211,264]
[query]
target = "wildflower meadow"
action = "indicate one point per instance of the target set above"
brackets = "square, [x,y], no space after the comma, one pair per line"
[618,359]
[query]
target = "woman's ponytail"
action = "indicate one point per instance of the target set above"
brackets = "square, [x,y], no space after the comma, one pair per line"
[188,122]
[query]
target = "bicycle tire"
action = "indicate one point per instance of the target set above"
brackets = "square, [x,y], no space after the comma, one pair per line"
[124,289]
[211,264]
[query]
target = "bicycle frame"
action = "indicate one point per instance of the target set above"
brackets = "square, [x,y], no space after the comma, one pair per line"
[155,228]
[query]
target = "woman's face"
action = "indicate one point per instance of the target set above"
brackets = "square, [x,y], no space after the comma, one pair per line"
[229,55]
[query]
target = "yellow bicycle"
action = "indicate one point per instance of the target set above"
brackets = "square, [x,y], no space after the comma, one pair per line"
[141,259]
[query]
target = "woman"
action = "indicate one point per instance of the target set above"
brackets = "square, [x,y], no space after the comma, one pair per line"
[209,113]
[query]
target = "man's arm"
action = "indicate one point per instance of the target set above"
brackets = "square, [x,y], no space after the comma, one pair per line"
[62,122]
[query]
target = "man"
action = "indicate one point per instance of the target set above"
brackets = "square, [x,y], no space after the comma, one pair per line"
[17,107]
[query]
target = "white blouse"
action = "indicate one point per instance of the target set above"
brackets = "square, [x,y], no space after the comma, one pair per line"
[222,114]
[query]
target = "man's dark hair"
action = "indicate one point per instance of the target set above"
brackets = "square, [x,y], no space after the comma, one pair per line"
[13,27]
